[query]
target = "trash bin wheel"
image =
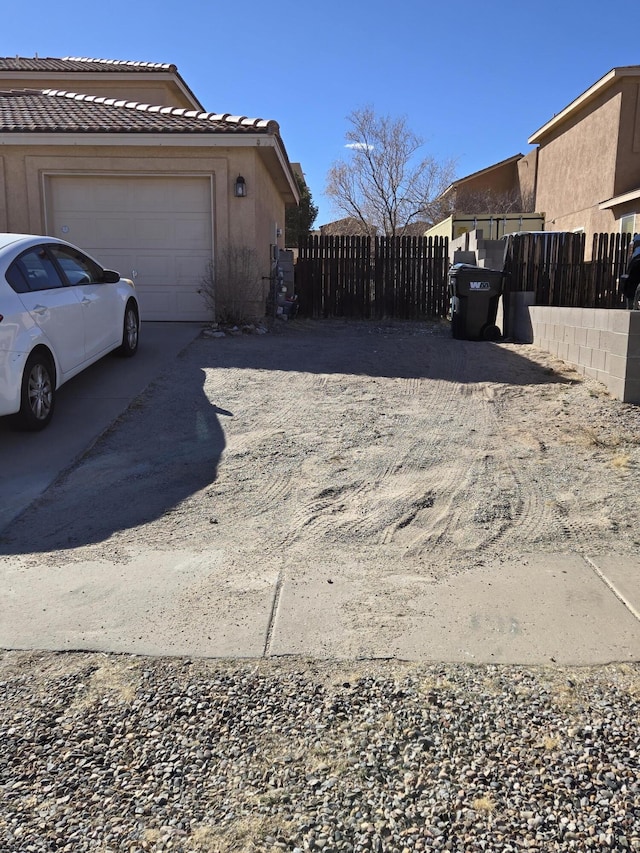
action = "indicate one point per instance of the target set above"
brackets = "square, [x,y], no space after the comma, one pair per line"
[490,332]
[456,325]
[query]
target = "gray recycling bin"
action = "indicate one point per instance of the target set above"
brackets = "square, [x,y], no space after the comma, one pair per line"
[474,293]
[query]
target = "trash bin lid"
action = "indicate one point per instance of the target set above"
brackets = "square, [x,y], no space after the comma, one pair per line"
[456,268]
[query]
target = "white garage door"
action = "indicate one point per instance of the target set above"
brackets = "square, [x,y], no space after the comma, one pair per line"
[155,230]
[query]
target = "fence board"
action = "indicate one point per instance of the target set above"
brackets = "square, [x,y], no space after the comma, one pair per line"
[400,277]
[554,268]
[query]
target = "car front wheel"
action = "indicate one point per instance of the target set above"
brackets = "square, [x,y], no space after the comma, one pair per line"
[37,395]
[130,331]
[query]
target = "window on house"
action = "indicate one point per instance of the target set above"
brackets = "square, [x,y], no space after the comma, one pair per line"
[628,224]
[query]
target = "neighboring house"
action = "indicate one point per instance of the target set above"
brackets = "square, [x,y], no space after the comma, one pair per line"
[505,187]
[347,227]
[588,159]
[121,159]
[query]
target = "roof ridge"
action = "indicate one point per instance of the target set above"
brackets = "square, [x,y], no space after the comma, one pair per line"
[270,125]
[128,62]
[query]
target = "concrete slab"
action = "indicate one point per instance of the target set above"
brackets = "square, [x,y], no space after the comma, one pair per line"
[157,603]
[85,407]
[622,576]
[546,609]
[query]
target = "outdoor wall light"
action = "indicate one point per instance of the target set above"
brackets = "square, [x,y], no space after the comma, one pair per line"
[240,187]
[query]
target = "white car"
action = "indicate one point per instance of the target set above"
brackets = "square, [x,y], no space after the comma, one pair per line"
[60,311]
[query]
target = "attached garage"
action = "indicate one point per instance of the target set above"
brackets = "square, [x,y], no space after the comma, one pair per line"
[157,230]
[149,189]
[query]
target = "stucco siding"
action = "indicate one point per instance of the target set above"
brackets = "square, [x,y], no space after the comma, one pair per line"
[628,154]
[577,166]
[131,88]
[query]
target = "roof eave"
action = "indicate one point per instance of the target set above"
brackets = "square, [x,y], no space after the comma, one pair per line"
[609,203]
[583,99]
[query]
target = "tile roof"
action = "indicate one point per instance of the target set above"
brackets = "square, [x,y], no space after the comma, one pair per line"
[55,111]
[74,63]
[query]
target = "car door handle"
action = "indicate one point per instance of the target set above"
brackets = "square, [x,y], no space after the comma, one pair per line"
[40,309]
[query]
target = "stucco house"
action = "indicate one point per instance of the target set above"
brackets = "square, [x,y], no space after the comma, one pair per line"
[504,187]
[588,159]
[121,159]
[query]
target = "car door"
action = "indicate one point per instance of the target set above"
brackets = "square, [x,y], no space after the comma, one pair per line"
[53,306]
[102,306]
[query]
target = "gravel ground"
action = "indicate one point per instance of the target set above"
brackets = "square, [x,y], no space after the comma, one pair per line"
[109,753]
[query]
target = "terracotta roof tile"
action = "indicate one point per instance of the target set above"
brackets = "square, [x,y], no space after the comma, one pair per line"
[55,111]
[72,63]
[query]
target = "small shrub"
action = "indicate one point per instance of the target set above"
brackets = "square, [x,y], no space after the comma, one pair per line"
[233,287]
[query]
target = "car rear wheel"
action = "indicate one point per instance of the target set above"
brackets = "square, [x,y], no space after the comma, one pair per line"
[37,398]
[130,331]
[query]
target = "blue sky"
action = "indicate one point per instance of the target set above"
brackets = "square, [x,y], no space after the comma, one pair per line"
[475,80]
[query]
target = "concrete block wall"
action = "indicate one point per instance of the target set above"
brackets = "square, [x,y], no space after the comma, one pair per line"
[601,343]
[477,250]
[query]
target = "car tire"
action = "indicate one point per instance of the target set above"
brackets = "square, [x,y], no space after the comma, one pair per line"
[130,331]
[38,393]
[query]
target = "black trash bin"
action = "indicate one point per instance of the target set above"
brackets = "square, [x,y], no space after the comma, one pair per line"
[474,293]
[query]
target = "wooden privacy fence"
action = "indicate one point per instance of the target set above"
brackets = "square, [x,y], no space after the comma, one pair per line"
[372,278]
[553,266]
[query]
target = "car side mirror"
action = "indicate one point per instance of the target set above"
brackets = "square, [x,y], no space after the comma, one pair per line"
[110,277]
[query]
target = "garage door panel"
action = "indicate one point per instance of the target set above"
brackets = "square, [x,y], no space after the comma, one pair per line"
[192,232]
[190,266]
[159,226]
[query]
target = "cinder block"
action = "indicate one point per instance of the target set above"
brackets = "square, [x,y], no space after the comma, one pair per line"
[563,350]
[588,317]
[617,366]
[573,354]
[631,393]
[633,368]
[634,322]
[600,317]
[585,356]
[633,346]
[617,388]
[581,336]
[593,338]
[616,343]
[618,321]
[599,359]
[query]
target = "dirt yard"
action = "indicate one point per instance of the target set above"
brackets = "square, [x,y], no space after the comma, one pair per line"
[358,446]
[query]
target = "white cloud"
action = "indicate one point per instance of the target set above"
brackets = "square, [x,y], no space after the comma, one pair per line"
[359,146]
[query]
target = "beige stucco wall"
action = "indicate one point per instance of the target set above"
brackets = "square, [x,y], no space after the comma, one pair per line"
[499,180]
[134,86]
[628,152]
[527,166]
[253,222]
[577,167]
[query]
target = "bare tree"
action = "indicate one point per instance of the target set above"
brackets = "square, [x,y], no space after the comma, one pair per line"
[383,184]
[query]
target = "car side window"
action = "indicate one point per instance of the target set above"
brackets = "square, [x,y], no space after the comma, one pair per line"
[16,278]
[38,270]
[77,268]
